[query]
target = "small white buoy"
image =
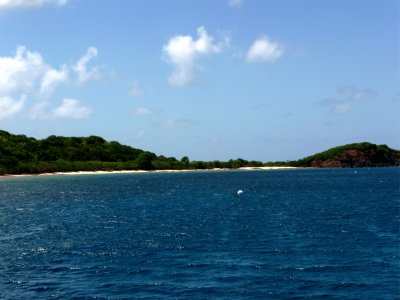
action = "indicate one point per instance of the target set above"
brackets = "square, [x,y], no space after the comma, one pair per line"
[239,192]
[355,172]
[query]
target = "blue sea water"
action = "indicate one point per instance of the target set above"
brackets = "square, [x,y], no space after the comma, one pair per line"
[292,234]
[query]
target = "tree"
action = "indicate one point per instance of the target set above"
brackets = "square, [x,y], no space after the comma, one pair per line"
[185,160]
[144,161]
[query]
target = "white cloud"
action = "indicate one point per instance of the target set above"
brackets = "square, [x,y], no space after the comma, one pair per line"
[182,51]
[19,73]
[26,75]
[51,79]
[27,69]
[81,68]
[264,50]
[71,108]
[143,111]
[9,4]
[9,106]
[235,3]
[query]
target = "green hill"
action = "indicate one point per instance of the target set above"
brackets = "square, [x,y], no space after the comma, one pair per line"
[20,154]
[351,156]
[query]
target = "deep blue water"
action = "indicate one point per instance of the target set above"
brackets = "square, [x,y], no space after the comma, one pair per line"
[293,234]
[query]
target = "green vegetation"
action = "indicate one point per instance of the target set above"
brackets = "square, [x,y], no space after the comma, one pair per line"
[351,156]
[20,154]
[25,155]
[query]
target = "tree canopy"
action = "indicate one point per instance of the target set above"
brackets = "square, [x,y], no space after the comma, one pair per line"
[21,154]
[352,155]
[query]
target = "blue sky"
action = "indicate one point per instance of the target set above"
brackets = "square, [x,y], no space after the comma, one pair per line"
[212,79]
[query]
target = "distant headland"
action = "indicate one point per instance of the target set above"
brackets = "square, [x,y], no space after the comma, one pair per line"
[20,154]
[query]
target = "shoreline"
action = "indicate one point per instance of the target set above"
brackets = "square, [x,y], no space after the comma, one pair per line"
[143,171]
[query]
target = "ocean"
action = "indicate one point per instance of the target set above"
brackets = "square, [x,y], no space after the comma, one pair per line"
[291,234]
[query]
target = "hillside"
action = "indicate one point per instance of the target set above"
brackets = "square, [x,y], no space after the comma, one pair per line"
[351,156]
[20,154]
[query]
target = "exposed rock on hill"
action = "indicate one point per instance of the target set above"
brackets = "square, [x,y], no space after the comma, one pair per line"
[351,156]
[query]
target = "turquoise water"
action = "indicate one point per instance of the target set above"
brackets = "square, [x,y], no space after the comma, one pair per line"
[292,234]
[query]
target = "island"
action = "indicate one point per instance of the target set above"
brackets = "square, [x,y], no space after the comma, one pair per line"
[20,154]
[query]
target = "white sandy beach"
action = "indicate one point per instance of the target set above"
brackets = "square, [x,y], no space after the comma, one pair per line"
[143,171]
[266,168]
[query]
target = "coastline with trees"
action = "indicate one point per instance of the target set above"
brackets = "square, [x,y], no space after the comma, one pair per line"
[20,154]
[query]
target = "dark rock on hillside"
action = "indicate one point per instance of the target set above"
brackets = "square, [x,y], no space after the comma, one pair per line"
[352,156]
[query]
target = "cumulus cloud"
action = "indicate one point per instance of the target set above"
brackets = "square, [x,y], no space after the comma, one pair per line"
[235,3]
[351,96]
[51,80]
[264,50]
[183,50]
[81,67]
[19,73]
[10,4]
[71,108]
[9,106]
[26,75]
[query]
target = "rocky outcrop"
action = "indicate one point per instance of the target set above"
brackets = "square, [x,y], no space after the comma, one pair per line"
[351,156]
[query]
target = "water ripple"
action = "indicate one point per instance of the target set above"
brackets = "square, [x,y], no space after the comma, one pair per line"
[293,234]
